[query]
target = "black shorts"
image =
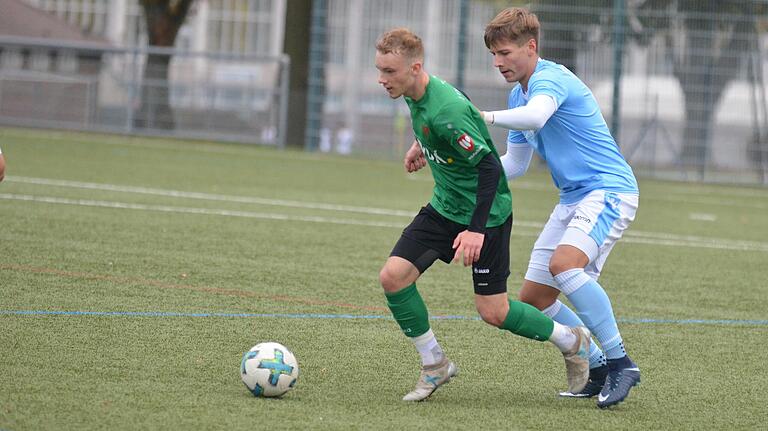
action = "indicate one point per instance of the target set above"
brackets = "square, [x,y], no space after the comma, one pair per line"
[430,237]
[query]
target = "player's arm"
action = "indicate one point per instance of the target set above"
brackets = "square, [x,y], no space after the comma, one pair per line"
[470,242]
[531,116]
[414,158]
[517,159]
[488,174]
[2,166]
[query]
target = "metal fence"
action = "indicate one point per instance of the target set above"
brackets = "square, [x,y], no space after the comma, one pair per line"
[680,82]
[151,91]
[358,116]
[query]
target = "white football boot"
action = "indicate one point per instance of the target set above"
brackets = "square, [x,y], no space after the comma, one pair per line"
[577,360]
[431,378]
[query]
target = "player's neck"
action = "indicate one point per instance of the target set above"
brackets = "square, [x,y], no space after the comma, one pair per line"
[531,69]
[419,87]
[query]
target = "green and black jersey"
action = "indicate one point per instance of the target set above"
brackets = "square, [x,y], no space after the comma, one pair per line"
[454,139]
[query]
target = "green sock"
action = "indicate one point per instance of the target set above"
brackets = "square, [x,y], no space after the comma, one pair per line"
[409,310]
[526,320]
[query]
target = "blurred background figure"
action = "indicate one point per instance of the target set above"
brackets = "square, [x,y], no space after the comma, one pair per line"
[2,165]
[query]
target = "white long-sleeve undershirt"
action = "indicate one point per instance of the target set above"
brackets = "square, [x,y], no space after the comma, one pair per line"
[531,116]
[516,160]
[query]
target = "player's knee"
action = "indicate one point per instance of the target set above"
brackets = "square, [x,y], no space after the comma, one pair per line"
[559,265]
[567,257]
[491,316]
[385,277]
[390,280]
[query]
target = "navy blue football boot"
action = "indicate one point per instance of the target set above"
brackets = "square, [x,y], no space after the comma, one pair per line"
[623,375]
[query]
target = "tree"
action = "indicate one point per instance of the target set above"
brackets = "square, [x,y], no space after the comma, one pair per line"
[163,18]
[298,19]
[708,42]
[566,24]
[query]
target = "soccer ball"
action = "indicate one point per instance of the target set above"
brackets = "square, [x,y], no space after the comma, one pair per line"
[269,370]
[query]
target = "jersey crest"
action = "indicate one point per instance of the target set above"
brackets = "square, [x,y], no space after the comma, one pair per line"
[465,141]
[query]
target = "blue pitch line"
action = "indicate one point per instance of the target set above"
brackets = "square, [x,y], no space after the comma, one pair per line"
[339,316]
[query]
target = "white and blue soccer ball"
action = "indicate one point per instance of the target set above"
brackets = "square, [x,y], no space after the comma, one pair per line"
[269,370]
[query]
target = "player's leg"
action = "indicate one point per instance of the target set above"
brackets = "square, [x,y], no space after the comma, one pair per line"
[398,279]
[598,222]
[416,250]
[540,290]
[411,314]
[540,295]
[490,275]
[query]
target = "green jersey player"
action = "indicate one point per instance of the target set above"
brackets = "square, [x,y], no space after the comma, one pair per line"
[468,219]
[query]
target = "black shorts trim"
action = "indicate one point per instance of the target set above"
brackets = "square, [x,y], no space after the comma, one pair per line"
[430,237]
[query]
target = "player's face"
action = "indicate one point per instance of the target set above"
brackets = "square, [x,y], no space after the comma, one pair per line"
[515,62]
[396,73]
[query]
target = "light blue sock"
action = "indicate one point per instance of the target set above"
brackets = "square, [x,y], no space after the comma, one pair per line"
[560,313]
[594,308]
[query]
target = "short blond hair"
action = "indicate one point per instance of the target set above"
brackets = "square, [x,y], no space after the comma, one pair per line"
[401,41]
[514,24]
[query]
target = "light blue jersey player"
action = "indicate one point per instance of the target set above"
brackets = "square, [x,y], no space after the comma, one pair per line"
[575,142]
[552,112]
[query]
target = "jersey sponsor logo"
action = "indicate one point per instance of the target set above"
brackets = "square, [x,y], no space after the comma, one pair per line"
[465,141]
[432,154]
[425,131]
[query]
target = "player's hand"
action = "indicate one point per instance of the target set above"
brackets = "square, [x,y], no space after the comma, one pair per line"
[414,158]
[488,117]
[469,244]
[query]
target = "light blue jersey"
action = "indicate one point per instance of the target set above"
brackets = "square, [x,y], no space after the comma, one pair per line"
[575,142]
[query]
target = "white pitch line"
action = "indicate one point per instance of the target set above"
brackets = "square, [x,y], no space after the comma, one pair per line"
[642,237]
[709,201]
[679,196]
[192,210]
[341,208]
[704,189]
[211,196]
[650,238]
[227,198]
[713,244]
[702,216]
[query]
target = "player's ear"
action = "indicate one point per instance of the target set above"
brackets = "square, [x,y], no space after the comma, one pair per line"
[416,66]
[532,45]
